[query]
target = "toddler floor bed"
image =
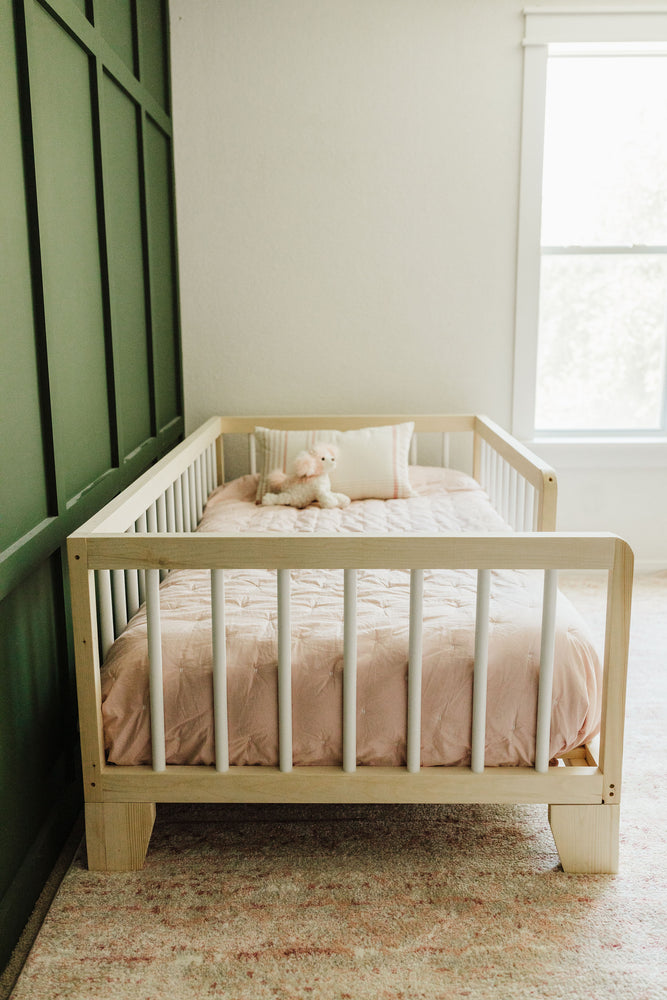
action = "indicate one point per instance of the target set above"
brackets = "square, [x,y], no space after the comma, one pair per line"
[409,647]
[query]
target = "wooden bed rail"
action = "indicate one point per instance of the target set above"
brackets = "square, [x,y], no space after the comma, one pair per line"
[170,497]
[521,486]
[548,552]
[119,557]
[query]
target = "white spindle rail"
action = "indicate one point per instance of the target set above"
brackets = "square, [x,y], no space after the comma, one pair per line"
[119,600]
[350,670]
[105,608]
[156,688]
[221,727]
[284,672]
[545,688]
[413,751]
[480,671]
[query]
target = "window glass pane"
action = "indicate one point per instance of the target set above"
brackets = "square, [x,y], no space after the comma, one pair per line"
[605,155]
[601,352]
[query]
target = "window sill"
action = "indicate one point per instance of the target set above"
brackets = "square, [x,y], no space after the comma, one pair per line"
[601,452]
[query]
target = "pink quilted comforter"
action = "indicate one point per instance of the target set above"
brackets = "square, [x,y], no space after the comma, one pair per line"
[446,501]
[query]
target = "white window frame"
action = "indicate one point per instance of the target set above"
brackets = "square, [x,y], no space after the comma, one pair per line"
[544,27]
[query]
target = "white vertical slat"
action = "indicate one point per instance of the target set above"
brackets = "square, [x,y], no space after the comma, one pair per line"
[480,671]
[535,509]
[513,499]
[119,599]
[105,605]
[413,450]
[151,519]
[206,466]
[192,493]
[185,493]
[221,727]
[252,453]
[284,672]
[445,450]
[155,669]
[196,475]
[545,688]
[413,753]
[520,505]
[497,481]
[161,516]
[178,504]
[486,459]
[350,670]
[485,467]
[210,466]
[199,486]
[161,505]
[142,527]
[204,479]
[529,495]
[505,501]
[171,509]
[214,467]
[132,583]
[490,459]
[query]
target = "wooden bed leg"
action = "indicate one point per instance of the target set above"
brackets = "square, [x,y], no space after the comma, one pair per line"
[586,837]
[117,835]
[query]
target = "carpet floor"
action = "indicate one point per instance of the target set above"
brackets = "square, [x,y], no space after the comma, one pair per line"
[383,902]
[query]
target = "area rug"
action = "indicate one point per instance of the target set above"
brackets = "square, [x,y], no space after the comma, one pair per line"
[382,902]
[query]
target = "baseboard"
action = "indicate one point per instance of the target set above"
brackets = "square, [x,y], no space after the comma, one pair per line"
[644,567]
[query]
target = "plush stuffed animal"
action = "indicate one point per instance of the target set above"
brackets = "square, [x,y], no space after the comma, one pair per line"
[309,481]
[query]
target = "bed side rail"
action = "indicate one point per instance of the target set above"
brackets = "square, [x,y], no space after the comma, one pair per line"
[171,494]
[548,552]
[521,486]
[169,498]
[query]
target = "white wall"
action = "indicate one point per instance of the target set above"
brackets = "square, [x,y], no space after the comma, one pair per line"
[347,184]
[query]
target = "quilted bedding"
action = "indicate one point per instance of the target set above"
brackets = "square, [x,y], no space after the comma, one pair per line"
[446,501]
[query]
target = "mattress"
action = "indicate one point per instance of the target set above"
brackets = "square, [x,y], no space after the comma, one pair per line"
[445,501]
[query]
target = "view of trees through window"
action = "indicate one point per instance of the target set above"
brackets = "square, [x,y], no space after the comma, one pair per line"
[603,285]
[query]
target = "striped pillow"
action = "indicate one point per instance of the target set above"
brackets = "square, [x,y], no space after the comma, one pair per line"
[372,461]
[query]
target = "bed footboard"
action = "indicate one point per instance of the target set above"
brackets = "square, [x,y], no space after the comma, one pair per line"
[118,553]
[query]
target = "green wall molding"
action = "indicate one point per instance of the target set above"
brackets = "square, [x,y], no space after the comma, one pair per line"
[90,377]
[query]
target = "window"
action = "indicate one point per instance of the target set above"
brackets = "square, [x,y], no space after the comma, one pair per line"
[591,338]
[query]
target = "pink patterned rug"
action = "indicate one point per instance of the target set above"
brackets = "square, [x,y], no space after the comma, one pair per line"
[382,902]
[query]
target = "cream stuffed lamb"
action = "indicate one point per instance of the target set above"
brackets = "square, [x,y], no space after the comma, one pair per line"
[309,481]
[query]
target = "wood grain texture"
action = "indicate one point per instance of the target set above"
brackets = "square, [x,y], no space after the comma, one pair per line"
[586,837]
[118,834]
[365,784]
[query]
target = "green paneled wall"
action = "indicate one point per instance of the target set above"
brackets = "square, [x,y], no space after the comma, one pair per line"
[162,272]
[62,122]
[90,376]
[23,498]
[127,284]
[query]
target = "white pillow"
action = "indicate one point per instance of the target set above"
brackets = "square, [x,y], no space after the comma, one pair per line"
[372,461]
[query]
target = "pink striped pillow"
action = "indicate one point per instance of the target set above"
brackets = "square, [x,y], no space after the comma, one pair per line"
[372,461]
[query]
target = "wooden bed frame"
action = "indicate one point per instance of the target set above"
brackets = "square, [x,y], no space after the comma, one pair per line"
[118,556]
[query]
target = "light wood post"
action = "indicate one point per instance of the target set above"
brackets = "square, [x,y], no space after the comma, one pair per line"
[117,835]
[586,837]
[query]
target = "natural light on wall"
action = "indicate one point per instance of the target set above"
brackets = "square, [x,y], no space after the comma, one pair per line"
[601,346]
